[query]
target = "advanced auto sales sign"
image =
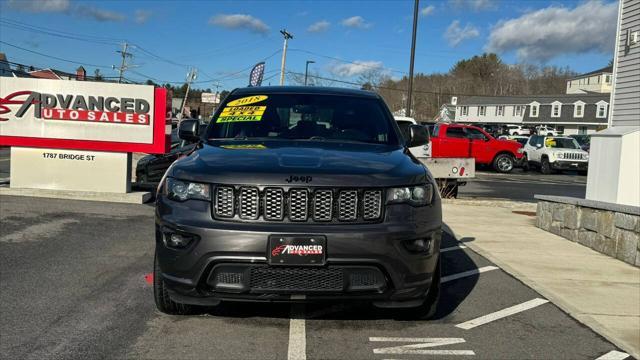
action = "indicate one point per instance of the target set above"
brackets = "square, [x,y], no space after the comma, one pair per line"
[82,115]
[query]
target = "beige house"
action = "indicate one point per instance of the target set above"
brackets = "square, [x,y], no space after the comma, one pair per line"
[599,81]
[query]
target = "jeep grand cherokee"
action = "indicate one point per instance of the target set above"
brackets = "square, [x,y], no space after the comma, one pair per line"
[298,194]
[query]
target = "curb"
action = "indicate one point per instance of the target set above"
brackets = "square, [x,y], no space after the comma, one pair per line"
[566,306]
[497,202]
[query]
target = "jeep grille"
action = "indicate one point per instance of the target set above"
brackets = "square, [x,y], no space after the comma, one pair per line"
[275,204]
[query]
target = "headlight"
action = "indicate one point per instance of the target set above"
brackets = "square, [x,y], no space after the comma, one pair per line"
[183,190]
[559,155]
[585,156]
[415,195]
[521,150]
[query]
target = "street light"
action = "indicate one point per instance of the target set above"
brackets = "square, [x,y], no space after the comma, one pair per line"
[306,70]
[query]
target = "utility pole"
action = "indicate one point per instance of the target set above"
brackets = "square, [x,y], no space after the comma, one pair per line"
[193,73]
[306,70]
[287,36]
[123,64]
[407,111]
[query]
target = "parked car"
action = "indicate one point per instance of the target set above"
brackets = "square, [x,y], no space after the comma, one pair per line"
[460,141]
[522,140]
[584,141]
[151,168]
[545,130]
[282,174]
[554,153]
[517,130]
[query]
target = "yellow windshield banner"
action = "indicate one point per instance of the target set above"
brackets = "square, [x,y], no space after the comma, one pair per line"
[241,113]
[247,100]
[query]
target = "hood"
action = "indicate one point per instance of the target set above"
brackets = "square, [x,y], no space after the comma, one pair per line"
[302,163]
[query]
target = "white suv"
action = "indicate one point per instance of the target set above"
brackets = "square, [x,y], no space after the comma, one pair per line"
[546,131]
[518,130]
[550,153]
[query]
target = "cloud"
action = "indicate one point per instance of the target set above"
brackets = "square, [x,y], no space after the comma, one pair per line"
[476,5]
[553,31]
[240,22]
[456,34]
[356,22]
[141,16]
[97,13]
[319,26]
[355,68]
[426,11]
[66,7]
[40,5]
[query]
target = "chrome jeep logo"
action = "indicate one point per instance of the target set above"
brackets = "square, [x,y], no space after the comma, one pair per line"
[78,108]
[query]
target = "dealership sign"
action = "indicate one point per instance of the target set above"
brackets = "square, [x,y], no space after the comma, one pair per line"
[82,115]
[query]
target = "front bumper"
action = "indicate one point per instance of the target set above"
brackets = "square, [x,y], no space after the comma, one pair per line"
[228,260]
[569,165]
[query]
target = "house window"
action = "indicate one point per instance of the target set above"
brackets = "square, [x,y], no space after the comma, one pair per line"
[582,130]
[517,110]
[578,110]
[482,110]
[602,110]
[464,110]
[556,109]
[533,110]
[607,79]
[499,110]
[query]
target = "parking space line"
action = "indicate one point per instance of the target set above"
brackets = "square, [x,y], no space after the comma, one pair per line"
[502,313]
[468,273]
[452,248]
[613,355]
[420,347]
[297,334]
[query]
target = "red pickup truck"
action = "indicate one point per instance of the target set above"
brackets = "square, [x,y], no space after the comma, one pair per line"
[457,141]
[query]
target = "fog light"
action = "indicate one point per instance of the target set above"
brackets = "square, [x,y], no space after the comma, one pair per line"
[418,246]
[178,241]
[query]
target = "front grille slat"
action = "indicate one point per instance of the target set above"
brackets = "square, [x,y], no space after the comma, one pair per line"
[323,205]
[348,205]
[277,204]
[224,202]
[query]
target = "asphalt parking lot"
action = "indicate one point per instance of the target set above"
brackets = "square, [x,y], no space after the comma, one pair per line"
[73,286]
[522,186]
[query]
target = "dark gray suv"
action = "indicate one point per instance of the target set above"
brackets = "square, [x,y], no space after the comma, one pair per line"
[298,194]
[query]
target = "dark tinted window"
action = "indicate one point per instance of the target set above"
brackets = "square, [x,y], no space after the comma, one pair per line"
[475,134]
[532,140]
[455,132]
[304,117]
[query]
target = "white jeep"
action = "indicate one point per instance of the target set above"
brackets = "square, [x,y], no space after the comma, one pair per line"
[551,153]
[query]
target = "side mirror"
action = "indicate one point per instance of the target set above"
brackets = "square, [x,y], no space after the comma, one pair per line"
[189,130]
[418,136]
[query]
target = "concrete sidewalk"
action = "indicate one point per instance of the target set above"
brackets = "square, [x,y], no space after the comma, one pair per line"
[601,292]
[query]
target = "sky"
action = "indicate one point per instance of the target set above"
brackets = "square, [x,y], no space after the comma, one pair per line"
[224,39]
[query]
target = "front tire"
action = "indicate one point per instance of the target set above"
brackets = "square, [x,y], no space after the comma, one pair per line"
[545,166]
[525,163]
[161,295]
[503,163]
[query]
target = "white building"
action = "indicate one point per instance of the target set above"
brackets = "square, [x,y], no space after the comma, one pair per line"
[598,81]
[568,113]
[614,164]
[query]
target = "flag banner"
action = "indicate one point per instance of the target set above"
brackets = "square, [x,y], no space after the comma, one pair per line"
[255,79]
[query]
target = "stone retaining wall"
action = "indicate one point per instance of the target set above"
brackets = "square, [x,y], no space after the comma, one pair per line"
[607,231]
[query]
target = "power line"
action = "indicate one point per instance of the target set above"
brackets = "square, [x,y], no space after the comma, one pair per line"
[55,57]
[359,63]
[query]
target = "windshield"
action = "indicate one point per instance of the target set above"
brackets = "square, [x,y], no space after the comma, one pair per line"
[303,117]
[562,143]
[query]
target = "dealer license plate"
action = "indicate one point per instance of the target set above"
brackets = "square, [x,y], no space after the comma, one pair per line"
[297,250]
